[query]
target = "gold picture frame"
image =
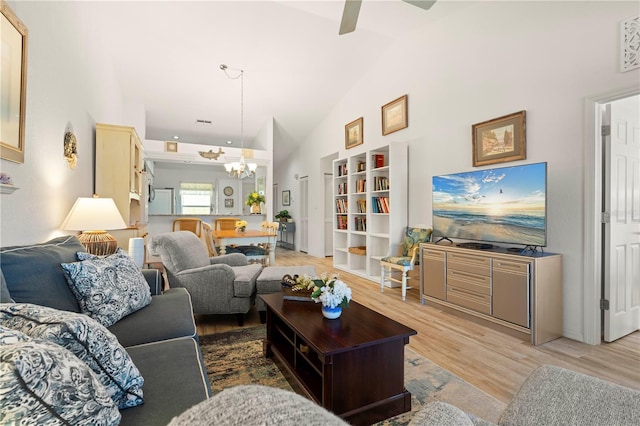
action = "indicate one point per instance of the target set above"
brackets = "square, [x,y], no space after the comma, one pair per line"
[353,133]
[395,116]
[500,140]
[13,50]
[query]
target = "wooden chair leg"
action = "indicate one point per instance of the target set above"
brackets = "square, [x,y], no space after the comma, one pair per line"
[240,318]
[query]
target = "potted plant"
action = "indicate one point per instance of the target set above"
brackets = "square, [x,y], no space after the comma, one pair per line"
[254,199]
[283,215]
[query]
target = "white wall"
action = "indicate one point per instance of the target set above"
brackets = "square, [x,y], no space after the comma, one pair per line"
[491,59]
[68,82]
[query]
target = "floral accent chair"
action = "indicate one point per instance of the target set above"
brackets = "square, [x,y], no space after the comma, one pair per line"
[404,263]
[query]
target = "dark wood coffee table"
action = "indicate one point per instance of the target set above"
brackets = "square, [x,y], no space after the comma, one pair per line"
[352,366]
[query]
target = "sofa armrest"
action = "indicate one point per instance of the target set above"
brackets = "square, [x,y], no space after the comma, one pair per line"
[256,405]
[551,393]
[232,259]
[154,279]
[439,413]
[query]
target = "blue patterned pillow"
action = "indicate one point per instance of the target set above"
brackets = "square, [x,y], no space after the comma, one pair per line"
[43,383]
[86,339]
[108,288]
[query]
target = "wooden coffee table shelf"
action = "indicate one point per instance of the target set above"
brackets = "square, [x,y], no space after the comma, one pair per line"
[352,366]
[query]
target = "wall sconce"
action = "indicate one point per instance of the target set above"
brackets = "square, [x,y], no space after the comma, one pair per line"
[71,149]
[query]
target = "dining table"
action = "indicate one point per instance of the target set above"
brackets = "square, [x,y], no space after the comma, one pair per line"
[224,238]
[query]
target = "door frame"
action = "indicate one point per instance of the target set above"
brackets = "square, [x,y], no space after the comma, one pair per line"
[592,247]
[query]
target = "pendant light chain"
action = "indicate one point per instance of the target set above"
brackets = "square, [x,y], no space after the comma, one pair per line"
[242,168]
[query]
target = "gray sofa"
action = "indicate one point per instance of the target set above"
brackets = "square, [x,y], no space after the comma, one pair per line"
[160,338]
[550,396]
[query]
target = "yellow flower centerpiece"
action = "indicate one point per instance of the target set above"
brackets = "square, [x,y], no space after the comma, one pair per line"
[241,225]
[254,199]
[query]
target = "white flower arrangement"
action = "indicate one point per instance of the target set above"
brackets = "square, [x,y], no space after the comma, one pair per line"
[328,290]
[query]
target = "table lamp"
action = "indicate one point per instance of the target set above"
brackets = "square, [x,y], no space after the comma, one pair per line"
[93,216]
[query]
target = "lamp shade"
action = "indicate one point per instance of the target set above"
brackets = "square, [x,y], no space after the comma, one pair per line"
[89,214]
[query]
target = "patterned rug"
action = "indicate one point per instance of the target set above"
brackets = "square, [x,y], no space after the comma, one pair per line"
[235,357]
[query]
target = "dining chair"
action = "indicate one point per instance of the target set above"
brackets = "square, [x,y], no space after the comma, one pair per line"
[207,236]
[225,223]
[188,224]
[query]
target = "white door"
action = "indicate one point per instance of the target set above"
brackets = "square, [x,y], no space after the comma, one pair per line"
[622,233]
[328,214]
[303,224]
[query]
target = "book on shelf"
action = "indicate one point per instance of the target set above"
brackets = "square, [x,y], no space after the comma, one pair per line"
[360,223]
[361,206]
[342,222]
[377,160]
[385,202]
[342,188]
[341,205]
[380,183]
[361,185]
[380,204]
[342,169]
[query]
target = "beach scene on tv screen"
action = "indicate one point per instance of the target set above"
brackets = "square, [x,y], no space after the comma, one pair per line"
[497,205]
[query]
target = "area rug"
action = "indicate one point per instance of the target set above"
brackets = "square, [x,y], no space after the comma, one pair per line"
[236,357]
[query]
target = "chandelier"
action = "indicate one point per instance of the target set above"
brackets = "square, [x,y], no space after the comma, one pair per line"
[240,168]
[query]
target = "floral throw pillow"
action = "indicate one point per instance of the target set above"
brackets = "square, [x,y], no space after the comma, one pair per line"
[108,288]
[43,383]
[86,339]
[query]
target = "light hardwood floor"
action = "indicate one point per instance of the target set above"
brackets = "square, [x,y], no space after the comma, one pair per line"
[493,361]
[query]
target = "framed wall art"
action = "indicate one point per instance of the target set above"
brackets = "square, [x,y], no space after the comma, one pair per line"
[353,133]
[499,140]
[170,146]
[394,115]
[13,80]
[286,198]
[228,203]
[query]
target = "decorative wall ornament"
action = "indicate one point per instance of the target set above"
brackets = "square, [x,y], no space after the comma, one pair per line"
[630,44]
[13,80]
[210,155]
[6,184]
[71,149]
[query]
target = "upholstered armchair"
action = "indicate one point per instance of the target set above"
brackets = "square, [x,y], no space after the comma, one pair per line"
[406,260]
[217,285]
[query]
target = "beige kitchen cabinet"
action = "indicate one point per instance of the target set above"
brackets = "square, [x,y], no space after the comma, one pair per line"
[119,170]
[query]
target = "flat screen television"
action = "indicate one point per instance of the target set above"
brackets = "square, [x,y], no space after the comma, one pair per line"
[502,205]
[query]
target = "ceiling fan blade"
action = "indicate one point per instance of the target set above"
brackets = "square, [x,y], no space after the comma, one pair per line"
[422,4]
[350,16]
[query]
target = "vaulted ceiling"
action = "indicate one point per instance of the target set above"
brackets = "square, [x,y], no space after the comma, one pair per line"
[296,66]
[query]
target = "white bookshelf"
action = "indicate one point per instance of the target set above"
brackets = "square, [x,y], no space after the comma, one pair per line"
[375,197]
